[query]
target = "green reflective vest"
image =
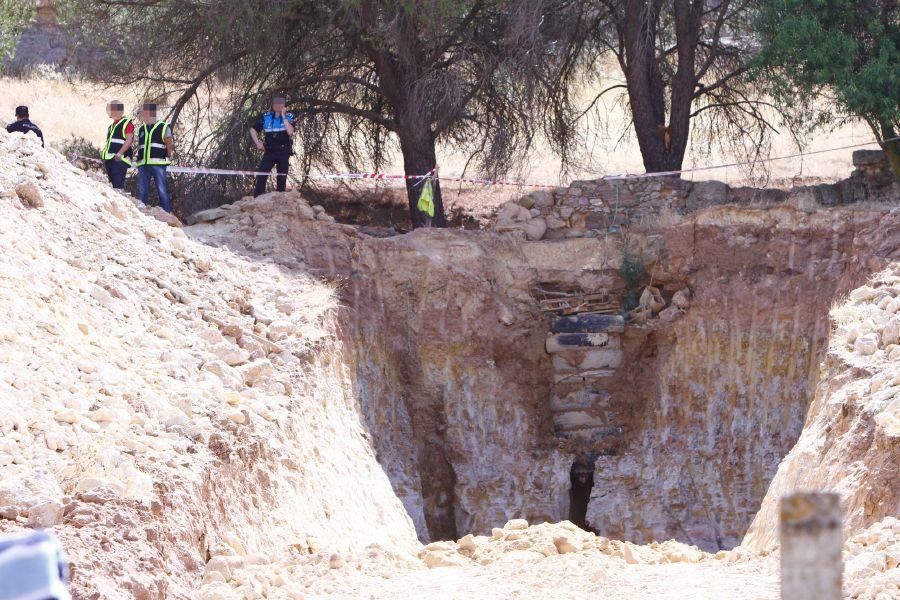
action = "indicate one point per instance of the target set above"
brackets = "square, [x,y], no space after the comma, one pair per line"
[115,139]
[152,144]
[426,199]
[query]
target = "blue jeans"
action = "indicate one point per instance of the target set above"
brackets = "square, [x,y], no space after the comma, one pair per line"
[158,173]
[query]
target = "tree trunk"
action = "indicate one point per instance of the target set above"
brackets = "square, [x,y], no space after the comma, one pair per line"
[891,148]
[687,17]
[662,144]
[418,159]
[645,85]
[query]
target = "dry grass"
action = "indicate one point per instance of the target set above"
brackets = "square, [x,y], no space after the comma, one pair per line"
[61,108]
[70,108]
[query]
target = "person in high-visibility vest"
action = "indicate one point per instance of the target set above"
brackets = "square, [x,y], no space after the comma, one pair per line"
[156,146]
[117,148]
[276,146]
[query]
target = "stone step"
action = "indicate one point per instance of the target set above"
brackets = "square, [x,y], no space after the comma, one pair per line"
[592,435]
[572,341]
[579,398]
[591,359]
[574,420]
[588,323]
[591,377]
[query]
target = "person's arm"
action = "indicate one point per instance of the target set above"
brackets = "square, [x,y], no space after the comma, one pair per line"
[129,140]
[170,144]
[255,137]
[288,122]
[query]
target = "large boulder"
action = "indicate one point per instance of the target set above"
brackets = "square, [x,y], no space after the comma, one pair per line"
[535,229]
[873,159]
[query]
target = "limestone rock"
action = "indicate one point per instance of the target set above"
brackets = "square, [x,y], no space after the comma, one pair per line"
[535,229]
[542,199]
[44,514]
[516,524]
[467,543]
[30,194]
[231,354]
[682,299]
[526,201]
[652,300]
[866,344]
[209,215]
[555,222]
[566,544]
[255,371]
[442,554]
[512,213]
[160,215]
[336,561]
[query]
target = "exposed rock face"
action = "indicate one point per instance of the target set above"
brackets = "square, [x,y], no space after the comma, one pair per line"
[184,414]
[450,356]
[711,400]
[449,359]
[851,441]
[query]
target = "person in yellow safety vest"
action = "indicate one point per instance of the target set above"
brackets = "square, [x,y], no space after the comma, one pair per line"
[117,149]
[156,146]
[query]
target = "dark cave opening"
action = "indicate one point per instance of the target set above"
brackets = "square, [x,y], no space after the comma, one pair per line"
[582,481]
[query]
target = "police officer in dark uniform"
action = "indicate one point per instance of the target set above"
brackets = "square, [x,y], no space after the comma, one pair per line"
[23,124]
[277,147]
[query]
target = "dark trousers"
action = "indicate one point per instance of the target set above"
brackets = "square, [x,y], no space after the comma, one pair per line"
[116,171]
[281,160]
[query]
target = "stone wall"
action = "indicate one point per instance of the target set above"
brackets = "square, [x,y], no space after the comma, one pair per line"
[596,207]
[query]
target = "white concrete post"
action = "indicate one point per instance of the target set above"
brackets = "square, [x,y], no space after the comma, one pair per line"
[811,544]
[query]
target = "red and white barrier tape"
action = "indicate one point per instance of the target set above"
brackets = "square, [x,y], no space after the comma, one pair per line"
[209,171]
[493,182]
[358,176]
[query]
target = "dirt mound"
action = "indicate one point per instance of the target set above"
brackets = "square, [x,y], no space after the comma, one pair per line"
[164,402]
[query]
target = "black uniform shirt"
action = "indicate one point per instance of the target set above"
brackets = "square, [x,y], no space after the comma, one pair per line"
[24,126]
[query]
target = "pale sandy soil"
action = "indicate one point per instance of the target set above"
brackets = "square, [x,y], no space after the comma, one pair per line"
[571,577]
